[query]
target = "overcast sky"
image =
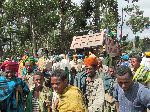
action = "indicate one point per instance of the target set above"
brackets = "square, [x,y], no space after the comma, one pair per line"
[144,5]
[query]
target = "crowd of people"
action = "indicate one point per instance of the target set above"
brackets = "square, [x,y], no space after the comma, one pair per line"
[77,83]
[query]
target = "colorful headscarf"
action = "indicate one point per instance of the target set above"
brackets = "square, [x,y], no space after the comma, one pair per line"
[2,67]
[21,65]
[29,59]
[12,66]
[125,57]
[91,61]
[8,64]
[147,53]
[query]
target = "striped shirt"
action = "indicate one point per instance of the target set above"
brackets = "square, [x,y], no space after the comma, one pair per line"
[35,103]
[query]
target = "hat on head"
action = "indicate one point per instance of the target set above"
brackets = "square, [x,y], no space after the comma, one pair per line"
[3,66]
[90,61]
[11,66]
[147,53]
[29,59]
[125,57]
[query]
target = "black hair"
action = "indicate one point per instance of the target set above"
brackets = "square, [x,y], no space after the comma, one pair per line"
[113,67]
[38,73]
[59,73]
[94,66]
[122,70]
[138,58]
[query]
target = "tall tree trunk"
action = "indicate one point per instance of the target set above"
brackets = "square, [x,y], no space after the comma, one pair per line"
[64,5]
[62,39]
[34,46]
[96,15]
[10,36]
[133,43]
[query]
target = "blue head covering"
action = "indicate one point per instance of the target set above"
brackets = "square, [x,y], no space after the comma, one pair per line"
[125,57]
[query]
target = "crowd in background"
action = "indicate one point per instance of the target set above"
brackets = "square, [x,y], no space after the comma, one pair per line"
[75,83]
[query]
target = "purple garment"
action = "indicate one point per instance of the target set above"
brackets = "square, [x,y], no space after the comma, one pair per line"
[136,99]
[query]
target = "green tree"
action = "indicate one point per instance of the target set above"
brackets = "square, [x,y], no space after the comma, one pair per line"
[103,13]
[32,18]
[137,22]
[53,23]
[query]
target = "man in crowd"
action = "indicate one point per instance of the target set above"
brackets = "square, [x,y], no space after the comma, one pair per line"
[29,68]
[15,101]
[70,98]
[91,84]
[109,84]
[130,96]
[141,73]
[39,99]
[6,88]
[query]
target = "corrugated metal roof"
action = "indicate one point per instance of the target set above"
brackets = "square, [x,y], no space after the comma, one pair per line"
[87,41]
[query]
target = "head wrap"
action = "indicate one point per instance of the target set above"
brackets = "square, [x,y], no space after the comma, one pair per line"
[12,66]
[29,59]
[81,56]
[90,61]
[147,53]
[65,64]
[125,57]
[2,67]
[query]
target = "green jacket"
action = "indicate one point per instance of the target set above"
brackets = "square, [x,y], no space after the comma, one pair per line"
[45,95]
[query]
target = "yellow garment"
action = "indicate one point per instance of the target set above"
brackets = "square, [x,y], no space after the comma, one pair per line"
[147,53]
[142,74]
[21,66]
[20,69]
[71,100]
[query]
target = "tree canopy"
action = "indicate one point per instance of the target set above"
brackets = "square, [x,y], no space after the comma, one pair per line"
[53,23]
